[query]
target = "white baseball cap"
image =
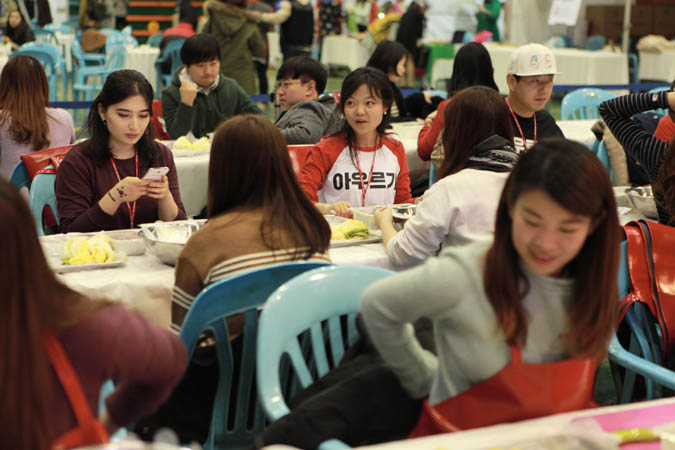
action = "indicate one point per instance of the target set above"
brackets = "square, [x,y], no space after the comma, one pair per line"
[532,60]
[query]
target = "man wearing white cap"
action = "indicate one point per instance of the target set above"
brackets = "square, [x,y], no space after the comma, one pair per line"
[530,79]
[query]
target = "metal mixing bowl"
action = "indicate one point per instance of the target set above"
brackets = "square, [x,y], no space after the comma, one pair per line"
[642,199]
[166,240]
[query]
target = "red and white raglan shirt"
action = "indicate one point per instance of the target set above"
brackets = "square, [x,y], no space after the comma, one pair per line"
[330,175]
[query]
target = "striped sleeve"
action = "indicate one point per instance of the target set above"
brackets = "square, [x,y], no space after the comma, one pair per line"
[639,144]
[185,289]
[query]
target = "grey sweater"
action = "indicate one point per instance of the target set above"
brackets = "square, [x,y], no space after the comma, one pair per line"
[471,348]
[306,122]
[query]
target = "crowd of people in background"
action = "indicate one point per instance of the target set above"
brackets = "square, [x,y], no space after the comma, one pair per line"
[504,252]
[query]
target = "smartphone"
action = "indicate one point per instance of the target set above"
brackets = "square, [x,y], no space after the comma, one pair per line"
[156,173]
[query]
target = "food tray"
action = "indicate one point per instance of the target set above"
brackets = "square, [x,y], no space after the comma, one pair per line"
[337,220]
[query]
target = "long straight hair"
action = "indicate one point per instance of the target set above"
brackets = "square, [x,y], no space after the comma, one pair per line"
[119,86]
[33,301]
[473,115]
[24,97]
[379,86]
[577,181]
[250,168]
[472,67]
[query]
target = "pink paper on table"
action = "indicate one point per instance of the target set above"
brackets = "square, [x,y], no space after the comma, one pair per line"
[637,418]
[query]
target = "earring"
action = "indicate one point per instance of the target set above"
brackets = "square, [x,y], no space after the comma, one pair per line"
[105,123]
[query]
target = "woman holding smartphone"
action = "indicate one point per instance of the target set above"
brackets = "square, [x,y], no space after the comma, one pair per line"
[102,183]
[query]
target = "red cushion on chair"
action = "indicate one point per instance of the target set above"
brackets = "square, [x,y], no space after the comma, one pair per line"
[157,122]
[36,162]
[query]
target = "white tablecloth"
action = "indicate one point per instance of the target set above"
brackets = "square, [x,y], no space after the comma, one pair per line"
[577,67]
[66,40]
[144,284]
[343,51]
[510,435]
[657,66]
[578,130]
[193,181]
[142,58]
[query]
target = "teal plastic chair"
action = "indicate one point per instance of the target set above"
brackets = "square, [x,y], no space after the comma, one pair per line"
[433,174]
[19,177]
[155,40]
[306,303]
[56,54]
[48,61]
[88,80]
[582,104]
[643,355]
[604,159]
[45,35]
[244,293]
[171,53]
[595,42]
[41,195]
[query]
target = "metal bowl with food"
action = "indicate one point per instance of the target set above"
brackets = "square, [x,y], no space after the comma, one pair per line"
[166,240]
[642,199]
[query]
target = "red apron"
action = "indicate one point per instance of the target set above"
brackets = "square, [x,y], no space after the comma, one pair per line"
[519,391]
[88,431]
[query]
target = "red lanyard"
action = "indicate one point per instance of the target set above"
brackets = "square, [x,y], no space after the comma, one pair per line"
[132,209]
[370,176]
[520,130]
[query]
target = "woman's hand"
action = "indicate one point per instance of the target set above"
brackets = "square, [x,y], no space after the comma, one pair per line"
[159,189]
[129,189]
[340,209]
[383,216]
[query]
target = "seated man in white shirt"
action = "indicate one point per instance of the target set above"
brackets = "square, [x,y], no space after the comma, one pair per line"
[530,79]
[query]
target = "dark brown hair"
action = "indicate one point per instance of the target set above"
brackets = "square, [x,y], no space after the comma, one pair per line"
[250,168]
[577,181]
[33,301]
[473,115]
[665,183]
[24,97]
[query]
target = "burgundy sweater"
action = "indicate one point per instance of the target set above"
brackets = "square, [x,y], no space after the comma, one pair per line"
[144,360]
[81,182]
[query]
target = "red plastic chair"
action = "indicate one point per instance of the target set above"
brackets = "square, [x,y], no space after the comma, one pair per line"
[299,154]
[157,122]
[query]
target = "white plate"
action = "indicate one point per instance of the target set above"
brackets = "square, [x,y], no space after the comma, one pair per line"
[375,235]
[58,266]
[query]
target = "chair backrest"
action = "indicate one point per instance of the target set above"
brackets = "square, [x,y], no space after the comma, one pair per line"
[45,57]
[582,104]
[42,194]
[313,301]
[45,35]
[241,294]
[19,177]
[155,40]
[116,56]
[604,159]
[157,122]
[172,52]
[299,155]
[433,173]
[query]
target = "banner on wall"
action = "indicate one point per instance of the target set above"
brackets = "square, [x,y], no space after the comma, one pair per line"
[564,12]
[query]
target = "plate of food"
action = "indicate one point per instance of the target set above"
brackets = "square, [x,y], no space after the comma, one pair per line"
[346,232]
[190,146]
[86,253]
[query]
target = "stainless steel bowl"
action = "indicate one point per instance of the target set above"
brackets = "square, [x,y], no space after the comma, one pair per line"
[166,240]
[642,199]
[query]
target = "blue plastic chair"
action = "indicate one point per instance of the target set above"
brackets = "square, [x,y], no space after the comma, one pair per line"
[582,104]
[42,194]
[595,42]
[45,35]
[243,293]
[171,53]
[604,159]
[155,40]
[642,357]
[56,54]
[303,304]
[433,174]
[19,177]
[48,61]
[90,79]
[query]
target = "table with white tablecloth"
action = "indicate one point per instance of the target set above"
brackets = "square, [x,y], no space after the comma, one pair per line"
[659,66]
[145,284]
[143,58]
[343,51]
[576,66]
[578,130]
[193,181]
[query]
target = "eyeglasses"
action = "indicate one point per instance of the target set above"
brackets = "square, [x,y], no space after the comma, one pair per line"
[283,85]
